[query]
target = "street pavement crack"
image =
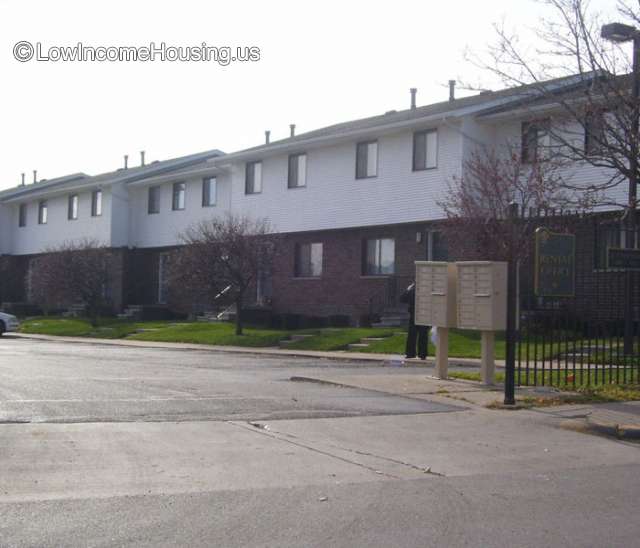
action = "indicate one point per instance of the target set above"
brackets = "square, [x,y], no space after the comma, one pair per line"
[279,436]
[265,429]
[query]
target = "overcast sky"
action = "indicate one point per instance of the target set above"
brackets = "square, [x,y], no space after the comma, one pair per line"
[320,63]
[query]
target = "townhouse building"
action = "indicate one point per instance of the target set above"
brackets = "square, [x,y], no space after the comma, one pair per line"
[357,203]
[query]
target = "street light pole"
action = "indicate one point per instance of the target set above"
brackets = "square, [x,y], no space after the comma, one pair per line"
[618,32]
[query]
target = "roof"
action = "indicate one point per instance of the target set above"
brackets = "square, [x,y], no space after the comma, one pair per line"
[129,175]
[477,104]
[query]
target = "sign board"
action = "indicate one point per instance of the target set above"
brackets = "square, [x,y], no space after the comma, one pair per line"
[623,259]
[555,264]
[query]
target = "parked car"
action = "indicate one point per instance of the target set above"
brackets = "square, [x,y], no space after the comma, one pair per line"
[8,323]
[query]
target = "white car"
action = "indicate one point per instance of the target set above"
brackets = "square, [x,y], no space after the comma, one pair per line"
[8,323]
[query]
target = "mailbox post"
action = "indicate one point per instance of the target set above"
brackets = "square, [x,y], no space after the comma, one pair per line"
[436,305]
[482,297]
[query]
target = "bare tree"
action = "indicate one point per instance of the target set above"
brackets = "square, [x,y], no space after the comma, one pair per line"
[74,272]
[477,203]
[590,114]
[223,253]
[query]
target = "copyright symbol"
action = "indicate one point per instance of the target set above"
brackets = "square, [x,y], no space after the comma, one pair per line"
[23,51]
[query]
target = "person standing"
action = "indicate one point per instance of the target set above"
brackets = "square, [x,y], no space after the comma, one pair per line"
[416,333]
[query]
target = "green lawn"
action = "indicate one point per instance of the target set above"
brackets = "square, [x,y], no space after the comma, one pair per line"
[213,333]
[338,338]
[78,327]
[462,344]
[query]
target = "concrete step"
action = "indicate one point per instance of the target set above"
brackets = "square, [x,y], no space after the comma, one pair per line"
[372,339]
[354,346]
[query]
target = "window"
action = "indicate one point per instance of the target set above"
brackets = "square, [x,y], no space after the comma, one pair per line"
[437,249]
[253,178]
[209,192]
[379,257]
[608,236]
[594,135]
[425,150]
[42,212]
[22,215]
[72,208]
[297,170]
[96,203]
[177,202]
[535,139]
[367,160]
[308,260]
[153,205]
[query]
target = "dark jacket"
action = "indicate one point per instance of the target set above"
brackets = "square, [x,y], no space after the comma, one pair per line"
[409,297]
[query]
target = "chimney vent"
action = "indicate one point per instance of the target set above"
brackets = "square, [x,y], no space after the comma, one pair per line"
[126,161]
[413,97]
[22,180]
[292,127]
[452,90]
[267,136]
[142,157]
[35,176]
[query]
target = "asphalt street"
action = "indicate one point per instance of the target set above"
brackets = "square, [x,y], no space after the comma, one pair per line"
[115,446]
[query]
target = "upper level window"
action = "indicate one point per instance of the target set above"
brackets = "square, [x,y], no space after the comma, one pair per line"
[297,170]
[379,257]
[535,140]
[96,203]
[425,150]
[253,178]
[22,215]
[308,260]
[209,192]
[42,212]
[153,204]
[594,133]
[72,208]
[437,248]
[177,202]
[367,159]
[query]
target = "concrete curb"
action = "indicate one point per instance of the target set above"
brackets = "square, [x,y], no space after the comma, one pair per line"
[384,359]
[620,431]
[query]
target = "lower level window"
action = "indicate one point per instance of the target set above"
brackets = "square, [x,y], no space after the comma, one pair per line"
[308,260]
[380,257]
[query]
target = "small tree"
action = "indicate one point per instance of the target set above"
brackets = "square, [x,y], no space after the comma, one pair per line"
[72,272]
[592,119]
[224,253]
[477,203]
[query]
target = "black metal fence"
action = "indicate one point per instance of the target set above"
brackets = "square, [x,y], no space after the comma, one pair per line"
[592,337]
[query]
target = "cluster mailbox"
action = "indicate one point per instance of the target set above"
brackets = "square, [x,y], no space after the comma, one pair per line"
[467,295]
[482,295]
[435,294]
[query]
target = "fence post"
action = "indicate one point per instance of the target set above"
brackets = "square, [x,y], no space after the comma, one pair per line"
[512,305]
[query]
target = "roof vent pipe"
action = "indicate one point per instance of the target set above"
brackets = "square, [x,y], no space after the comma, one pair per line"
[22,184]
[452,90]
[292,127]
[126,161]
[142,157]
[35,175]
[413,97]
[267,136]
